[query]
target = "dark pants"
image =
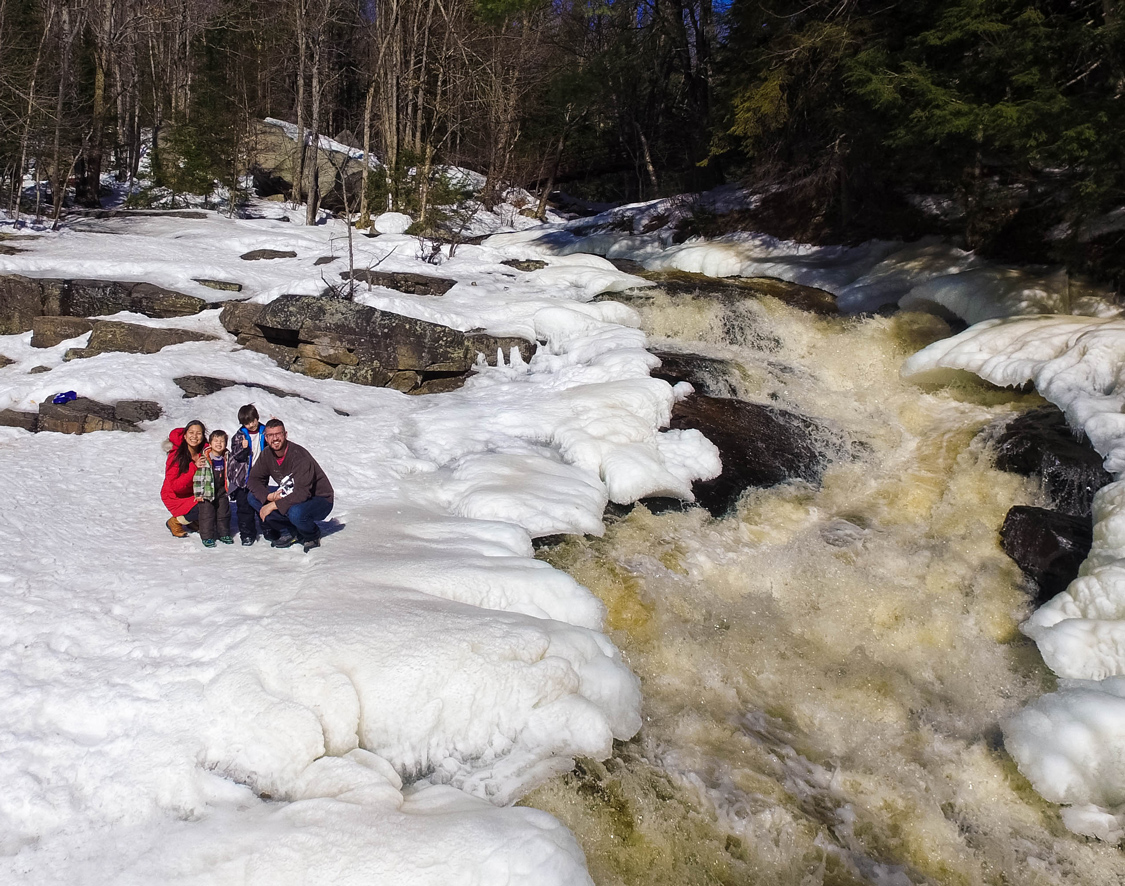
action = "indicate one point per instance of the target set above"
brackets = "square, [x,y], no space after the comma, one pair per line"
[213,517]
[246,510]
[300,520]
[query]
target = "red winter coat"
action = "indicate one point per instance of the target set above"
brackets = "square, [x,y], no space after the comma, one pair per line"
[177,492]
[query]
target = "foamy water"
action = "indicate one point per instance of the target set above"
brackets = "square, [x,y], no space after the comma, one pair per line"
[824,673]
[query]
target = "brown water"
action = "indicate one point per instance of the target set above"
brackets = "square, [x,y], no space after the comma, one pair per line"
[825,672]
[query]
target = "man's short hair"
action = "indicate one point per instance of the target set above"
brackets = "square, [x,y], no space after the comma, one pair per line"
[217,433]
[275,423]
[247,414]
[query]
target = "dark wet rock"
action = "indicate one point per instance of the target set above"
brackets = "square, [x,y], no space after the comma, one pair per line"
[491,345]
[1039,443]
[134,411]
[22,299]
[202,385]
[681,285]
[46,332]
[13,418]
[35,370]
[411,284]
[81,416]
[325,260]
[529,264]
[221,285]
[1048,546]
[710,376]
[759,445]
[267,254]
[5,249]
[5,361]
[131,338]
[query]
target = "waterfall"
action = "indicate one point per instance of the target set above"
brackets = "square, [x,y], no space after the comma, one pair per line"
[824,671]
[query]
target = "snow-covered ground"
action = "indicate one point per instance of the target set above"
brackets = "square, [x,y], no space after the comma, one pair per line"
[360,714]
[365,713]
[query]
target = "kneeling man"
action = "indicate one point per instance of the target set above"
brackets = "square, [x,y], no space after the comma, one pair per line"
[295,490]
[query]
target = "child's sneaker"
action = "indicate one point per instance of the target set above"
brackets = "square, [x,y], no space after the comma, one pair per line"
[248,540]
[227,540]
[208,542]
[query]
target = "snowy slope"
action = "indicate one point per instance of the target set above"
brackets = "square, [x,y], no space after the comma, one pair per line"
[362,713]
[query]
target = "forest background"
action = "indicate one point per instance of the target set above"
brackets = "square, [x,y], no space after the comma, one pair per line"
[844,114]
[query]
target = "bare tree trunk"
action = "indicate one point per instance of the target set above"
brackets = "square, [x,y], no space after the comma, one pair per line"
[364,219]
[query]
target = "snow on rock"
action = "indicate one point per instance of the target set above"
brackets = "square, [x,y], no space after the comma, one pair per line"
[184,715]
[392,222]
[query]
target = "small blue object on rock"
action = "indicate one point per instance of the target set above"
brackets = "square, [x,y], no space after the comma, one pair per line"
[64,397]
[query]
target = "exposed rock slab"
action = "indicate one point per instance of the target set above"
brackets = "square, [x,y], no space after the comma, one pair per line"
[326,337]
[1039,443]
[22,299]
[84,416]
[46,332]
[202,385]
[1048,546]
[5,361]
[760,446]
[267,254]
[221,285]
[411,284]
[132,338]
[525,264]
[13,418]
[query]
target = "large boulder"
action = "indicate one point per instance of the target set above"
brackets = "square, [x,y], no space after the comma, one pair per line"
[22,299]
[759,445]
[1048,546]
[132,338]
[1039,443]
[333,337]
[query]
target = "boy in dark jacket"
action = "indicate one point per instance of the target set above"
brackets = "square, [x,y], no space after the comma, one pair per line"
[248,443]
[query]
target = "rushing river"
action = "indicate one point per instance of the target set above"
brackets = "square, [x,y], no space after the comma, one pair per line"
[825,673]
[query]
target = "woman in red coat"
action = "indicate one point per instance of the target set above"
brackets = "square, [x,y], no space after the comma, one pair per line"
[185,455]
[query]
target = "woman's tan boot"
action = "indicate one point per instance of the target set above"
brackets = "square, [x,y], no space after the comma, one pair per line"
[177,528]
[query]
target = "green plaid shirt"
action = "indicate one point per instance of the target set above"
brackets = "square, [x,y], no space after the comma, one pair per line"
[203,483]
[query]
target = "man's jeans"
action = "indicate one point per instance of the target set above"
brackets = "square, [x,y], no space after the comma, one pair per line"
[301,519]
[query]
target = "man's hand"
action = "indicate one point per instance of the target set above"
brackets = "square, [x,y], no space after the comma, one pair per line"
[267,509]
[274,496]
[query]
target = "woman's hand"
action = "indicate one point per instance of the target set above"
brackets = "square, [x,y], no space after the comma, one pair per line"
[200,460]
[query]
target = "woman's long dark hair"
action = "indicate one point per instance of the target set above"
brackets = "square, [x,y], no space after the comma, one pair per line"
[183,451]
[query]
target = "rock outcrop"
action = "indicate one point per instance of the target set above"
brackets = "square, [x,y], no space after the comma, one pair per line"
[326,337]
[132,338]
[83,416]
[22,299]
[411,284]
